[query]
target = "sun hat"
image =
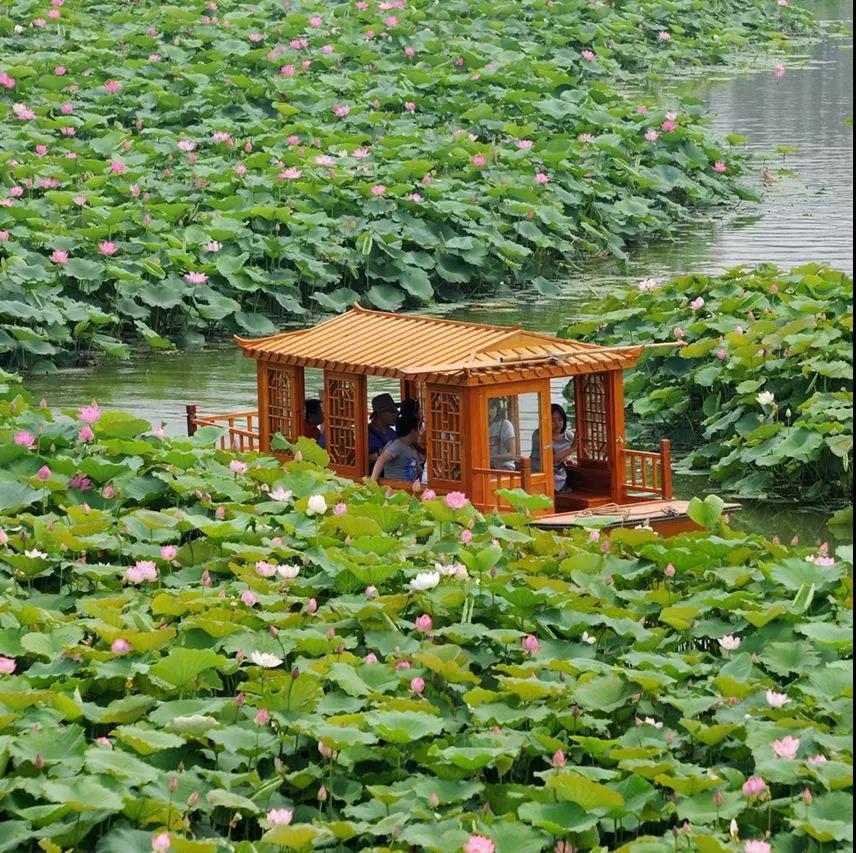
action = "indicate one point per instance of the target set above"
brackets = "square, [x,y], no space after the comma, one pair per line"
[383,403]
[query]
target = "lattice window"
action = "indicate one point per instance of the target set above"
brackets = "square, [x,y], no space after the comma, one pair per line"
[281,403]
[341,420]
[444,441]
[594,441]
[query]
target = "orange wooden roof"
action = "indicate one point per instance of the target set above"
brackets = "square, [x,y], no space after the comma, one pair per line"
[410,346]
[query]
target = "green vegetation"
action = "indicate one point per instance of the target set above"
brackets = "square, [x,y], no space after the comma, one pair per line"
[168,172]
[206,653]
[763,392]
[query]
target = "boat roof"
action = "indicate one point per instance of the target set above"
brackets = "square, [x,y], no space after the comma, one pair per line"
[410,346]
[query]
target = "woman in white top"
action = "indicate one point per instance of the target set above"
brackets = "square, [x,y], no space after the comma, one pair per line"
[501,436]
[563,446]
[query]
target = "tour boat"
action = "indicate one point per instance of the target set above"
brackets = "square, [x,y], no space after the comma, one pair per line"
[459,372]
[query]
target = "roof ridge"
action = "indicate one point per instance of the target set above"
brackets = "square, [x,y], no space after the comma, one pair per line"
[439,320]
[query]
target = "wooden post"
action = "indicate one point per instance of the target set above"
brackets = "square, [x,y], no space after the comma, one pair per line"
[525,464]
[190,408]
[666,468]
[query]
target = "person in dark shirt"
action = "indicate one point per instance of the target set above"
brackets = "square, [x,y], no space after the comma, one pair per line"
[381,426]
[399,459]
[313,418]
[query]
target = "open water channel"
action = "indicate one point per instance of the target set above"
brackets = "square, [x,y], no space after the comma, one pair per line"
[806,216]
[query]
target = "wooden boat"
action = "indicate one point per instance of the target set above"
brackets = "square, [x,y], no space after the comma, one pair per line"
[458,371]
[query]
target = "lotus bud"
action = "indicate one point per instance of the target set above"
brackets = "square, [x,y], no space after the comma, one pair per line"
[295,673]
[806,796]
[173,784]
[434,800]
[39,761]
[718,799]
[193,799]
[322,794]
[576,710]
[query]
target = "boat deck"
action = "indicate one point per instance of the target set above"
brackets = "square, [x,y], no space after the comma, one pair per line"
[668,517]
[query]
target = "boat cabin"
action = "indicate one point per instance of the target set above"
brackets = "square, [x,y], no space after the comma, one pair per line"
[477,387]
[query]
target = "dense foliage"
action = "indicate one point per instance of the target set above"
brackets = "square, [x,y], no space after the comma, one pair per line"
[200,652]
[167,169]
[763,392]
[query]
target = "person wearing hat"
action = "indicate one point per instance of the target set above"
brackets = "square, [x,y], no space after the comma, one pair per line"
[381,425]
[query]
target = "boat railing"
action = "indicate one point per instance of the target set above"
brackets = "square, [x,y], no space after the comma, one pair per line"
[241,428]
[648,472]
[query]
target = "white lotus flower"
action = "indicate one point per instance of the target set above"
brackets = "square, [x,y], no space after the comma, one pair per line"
[316,505]
[729,642]
[734,830]
[587,638]
[36,554]
[280,494]
[423,581]
[766,398]
[288,572]
[649,284]
[264,660]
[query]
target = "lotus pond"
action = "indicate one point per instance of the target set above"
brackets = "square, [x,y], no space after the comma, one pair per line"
[225,166]
[202,652]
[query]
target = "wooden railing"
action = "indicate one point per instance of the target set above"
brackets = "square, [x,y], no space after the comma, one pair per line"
[242,428]
[649,473]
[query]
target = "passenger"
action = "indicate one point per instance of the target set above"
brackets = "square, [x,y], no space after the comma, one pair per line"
[381,420]
[399,459]
[501,436]
[409,406]
[313,418]
[563,447]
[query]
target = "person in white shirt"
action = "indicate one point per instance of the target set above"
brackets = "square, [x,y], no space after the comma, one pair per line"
[501,436]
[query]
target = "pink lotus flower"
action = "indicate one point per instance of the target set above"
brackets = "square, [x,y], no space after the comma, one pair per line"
[107,248]
[262,717]
[585,138]
[814,760]
[59,70]
[391,21]
[340,508]
[288,70]
[168,552]
[154,57]
[652,135]
[719,167]
[117,167]
[4,235]
[89,414]
[524,144]
[44,473]
[41,150]
[58,256]
[265,569]
[341,110]
[530,644]
[53,14]
[786,747]
[664,35]
[378,190]
[7,665]
[195,277]
[697,303]
[780,71]
[755,846]
[85,434]
[466,536]
[417,685]
[409,52]
[454,500]
[113,86]
[424,624]
[161,843]
[316,21]
[67,131]
[67,108]
[721,353]
[7,81]
[371,657]
[279,817]
[754,787]
[142,570]
[824,562]
[414,197]
[558,759]
[541,178]
[668,125]
[409,106]
[669,571]
[479,844]
[777,700]
[120,647]
[238,467]
[587,55]
[479,160]
[186,145]
[248,598]
[22,112]
[256,37]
